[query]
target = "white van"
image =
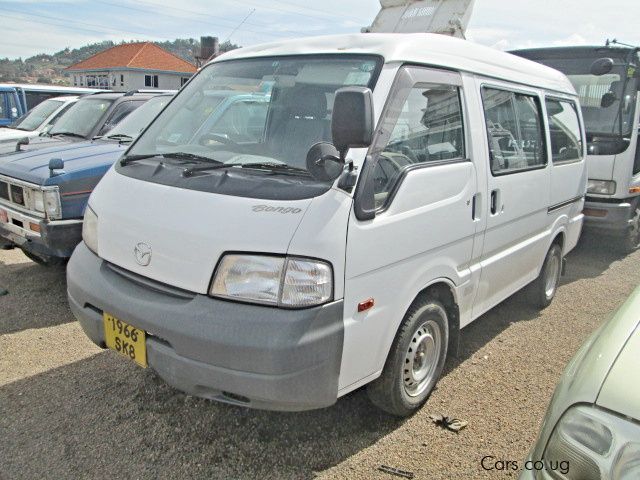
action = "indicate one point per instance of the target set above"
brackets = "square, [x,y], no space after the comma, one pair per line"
[253,262]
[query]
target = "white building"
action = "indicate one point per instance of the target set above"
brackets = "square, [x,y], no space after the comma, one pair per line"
[132,66]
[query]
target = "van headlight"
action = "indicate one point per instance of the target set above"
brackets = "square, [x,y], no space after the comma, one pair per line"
[90,229]
[289,282]
[601,187]
[593,444]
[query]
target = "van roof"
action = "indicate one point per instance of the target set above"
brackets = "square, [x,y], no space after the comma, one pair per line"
[421,48]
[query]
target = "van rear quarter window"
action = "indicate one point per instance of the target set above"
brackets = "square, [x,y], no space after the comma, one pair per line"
[564,129]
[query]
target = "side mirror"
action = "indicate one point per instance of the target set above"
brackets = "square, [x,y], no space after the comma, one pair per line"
[21,142]
[352,119]
[323,162]
[601,66]
[608,99]
[55,164]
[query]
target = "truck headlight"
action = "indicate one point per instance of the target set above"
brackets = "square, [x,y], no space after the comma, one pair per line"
[593,444]
[52,205]
[45,201]
[90,230]
[601,187]
[291,282]
[37,199]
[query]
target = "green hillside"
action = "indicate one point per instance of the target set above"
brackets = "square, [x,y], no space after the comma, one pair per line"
[45,68]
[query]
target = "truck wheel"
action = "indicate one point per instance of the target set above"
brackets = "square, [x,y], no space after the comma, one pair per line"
[631,242]
[415,361]
[544,288]
[46,261]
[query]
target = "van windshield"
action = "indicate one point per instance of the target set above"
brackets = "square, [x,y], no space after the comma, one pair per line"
[82,117]
[266,110]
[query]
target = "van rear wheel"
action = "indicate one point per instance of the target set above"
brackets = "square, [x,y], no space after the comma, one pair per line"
[416,359]
[544,288]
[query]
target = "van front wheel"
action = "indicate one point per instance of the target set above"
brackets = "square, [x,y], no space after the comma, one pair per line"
[415,361]
[544,288]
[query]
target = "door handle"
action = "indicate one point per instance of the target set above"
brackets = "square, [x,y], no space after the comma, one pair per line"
[494,202]
[476,206]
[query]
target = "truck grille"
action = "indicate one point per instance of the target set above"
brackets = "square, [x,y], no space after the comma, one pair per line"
[17,195]
[4,190]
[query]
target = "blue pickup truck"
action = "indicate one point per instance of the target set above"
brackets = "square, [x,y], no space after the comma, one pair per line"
[43,193]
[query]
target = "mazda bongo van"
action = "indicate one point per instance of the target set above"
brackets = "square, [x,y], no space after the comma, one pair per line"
[380,193]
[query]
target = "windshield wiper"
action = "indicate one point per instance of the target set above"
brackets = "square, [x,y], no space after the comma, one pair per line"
[121,137]
[178,155]
[280,167]
[68,134]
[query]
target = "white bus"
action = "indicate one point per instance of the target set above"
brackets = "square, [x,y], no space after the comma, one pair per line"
[395,188]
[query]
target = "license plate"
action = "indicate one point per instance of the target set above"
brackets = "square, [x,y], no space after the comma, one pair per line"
[125,339]
[4,217]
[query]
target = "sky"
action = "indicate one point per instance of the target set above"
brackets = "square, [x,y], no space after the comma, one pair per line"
[46,26]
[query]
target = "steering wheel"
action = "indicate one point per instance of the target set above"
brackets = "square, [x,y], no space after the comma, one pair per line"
[407,152]
[224,139]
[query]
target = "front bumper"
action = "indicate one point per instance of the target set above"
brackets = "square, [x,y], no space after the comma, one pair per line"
[608,218]
[249,355]
[55,238]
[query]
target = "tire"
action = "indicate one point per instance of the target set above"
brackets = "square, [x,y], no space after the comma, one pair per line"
[544,288]
[46,261]
[400,390]
[631,241]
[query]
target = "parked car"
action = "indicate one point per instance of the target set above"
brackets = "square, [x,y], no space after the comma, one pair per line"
[16,99]
[592,425]
[92,116]
[33,123]
[253,262]
[43,194]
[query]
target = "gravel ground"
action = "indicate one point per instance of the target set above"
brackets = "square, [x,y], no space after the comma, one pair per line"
[71,410]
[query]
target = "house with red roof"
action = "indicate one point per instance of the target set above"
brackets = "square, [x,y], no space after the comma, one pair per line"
[132,66]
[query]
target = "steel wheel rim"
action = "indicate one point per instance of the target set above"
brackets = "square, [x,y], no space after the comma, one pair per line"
[551,282]
[421,359]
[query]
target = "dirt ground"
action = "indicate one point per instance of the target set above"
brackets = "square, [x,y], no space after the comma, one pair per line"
[71,410]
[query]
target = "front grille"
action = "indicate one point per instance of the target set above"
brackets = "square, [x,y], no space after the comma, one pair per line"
[4,190]
[17,195]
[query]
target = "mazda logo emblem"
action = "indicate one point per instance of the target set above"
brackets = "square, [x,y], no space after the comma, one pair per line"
[142,252]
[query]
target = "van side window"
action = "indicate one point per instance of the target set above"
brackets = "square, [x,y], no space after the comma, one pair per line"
[564,128]
[429,128]
[514,129]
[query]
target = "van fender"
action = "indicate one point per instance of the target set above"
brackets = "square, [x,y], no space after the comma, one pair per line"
[454,315]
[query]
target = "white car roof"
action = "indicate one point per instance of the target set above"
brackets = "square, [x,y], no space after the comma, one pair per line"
[65,98]
[420,48]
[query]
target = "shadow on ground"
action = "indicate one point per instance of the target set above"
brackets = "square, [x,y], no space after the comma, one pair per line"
[37,297]
[592,256]
[104,416]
